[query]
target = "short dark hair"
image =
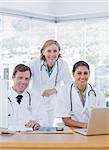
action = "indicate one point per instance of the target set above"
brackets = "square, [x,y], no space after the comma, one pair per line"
[80,63]
[47,43]
[21,68]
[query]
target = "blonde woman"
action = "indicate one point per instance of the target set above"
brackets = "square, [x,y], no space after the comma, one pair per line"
[48,72]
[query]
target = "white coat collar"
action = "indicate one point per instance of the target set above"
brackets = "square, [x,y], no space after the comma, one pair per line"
[13,93]
[55,69]
[78,101]
[87,97]
[84,93]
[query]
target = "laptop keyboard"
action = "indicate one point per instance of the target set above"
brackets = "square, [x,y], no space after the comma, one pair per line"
[82,130]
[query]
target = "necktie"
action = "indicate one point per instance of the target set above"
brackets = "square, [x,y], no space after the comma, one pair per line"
[19,97]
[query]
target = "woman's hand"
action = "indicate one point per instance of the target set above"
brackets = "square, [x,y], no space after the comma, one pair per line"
[84,125]
[49,92]
[32,124]
[68,121]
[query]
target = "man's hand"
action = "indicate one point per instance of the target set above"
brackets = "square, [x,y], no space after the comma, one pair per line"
[49,92]
[32,124]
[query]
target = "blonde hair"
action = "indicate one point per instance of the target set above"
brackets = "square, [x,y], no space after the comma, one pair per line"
[46,44]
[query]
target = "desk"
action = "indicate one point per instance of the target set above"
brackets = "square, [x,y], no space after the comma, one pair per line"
[53,142]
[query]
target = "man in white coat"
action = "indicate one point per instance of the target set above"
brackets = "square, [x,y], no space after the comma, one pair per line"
[23,111]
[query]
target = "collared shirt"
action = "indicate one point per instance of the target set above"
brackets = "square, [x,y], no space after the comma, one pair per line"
[13,94]
[49,71]
[82,97]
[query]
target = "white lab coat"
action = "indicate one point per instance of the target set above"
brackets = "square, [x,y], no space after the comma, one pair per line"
[41,81]
[78,113]
[19,114]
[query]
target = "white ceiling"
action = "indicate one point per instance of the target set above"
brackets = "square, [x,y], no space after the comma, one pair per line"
[56,10]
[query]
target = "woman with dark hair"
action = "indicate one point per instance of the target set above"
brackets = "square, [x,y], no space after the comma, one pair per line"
[48,72]
[77,100]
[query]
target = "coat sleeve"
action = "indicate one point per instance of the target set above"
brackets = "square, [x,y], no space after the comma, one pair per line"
[63,103]
[39,111]
[66,75]
[42,117]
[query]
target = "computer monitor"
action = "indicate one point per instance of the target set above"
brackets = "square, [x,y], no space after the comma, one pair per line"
[3,104]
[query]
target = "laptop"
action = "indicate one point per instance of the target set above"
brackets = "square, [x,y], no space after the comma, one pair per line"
[98,122]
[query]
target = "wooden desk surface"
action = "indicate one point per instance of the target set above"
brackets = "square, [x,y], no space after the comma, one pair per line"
[74,141]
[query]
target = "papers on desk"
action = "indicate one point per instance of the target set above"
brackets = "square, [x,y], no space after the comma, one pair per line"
[20,129]
[50,130]
[41,130]
[6,131]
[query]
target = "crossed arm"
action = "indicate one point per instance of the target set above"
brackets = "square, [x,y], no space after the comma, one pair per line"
[49,92]
[72,123]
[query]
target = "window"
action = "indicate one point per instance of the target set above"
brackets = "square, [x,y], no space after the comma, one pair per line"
[86,39]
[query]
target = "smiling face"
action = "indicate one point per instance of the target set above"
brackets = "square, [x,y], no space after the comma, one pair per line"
[51,53]
[81,76]
[21,81]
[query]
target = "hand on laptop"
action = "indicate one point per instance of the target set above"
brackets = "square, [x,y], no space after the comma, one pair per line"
[84,125]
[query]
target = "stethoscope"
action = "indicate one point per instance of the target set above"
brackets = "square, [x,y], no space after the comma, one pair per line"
[91,90]
[29,105]
[44,65]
